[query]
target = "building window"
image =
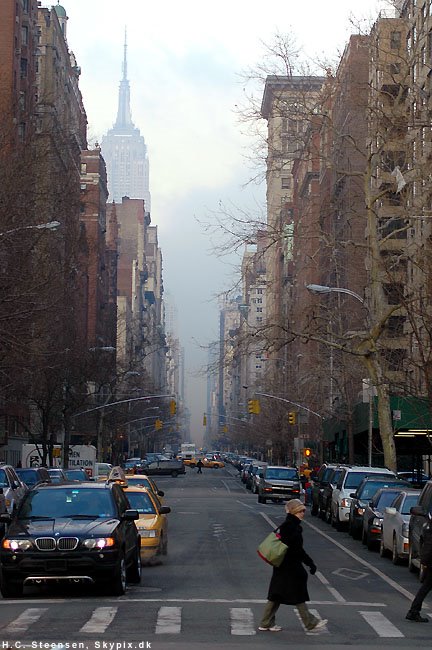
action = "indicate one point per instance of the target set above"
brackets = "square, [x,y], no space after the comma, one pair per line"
[395,326]
[83,168]
[285,182]
[259,309]
[24,35]
[395,40]
[21,131]
[259,319]
[259,291]
[25,6]
[23,68]
[83,186]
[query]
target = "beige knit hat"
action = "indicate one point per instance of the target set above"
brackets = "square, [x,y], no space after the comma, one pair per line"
[294,506]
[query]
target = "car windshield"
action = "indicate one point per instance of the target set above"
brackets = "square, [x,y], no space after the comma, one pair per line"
[386,499]
[410,501]
[67,502]
[369,488]
[138,481]
[76,474]
[141,501]
[29,476]
[334,478]
[354,479]
[327,474]
[3,480]
[282,473]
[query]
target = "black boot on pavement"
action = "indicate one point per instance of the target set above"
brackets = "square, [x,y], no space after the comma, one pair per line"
[416,617]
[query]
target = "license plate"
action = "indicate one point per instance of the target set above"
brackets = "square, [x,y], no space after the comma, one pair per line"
[56,565]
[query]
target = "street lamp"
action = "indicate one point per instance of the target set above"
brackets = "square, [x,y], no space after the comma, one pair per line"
[50,225]
[319,289]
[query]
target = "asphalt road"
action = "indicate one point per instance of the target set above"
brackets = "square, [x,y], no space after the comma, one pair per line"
[211,588]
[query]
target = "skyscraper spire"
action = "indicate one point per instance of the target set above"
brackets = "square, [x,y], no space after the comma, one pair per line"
[124,117]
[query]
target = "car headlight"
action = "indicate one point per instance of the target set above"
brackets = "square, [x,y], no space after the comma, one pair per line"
[405,530]
[148,533]
[17,544]
[98,543]
[377,521]
[346,503]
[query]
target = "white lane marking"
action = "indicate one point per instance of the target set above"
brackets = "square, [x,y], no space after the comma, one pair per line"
[99,621]
[334,592]
[360,560]
[356,557]
[227,488]
[127,599]
[24,620]
[168,620]
[382,626]
[242,622]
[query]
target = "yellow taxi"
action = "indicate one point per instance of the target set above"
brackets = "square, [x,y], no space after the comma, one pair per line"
[152,523]
[212,462]
[142,480]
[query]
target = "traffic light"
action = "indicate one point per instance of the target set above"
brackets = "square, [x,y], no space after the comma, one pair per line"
[254,406]
[173,407]
[158,424]
[307,452]
[292,417]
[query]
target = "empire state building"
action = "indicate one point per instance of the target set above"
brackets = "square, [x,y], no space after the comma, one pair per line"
[125,151]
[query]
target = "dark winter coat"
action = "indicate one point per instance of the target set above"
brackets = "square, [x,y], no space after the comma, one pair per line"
[288,584]
[426,547]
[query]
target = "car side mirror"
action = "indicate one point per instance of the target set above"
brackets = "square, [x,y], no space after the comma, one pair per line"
[165,510]
[161,493]
[418,511]
[130,515]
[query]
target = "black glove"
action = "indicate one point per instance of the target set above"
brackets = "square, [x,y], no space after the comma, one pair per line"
[312,570]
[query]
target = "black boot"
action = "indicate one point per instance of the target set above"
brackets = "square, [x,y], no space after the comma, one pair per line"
[416,617]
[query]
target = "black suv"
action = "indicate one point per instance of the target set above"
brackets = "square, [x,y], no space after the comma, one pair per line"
[172,467]
[73,532]
[363,495]
[374,513]
[421,515]
[319,482]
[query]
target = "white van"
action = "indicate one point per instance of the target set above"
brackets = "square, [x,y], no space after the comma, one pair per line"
[102,471]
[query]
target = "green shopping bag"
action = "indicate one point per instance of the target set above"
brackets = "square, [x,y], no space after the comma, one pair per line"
[272,550]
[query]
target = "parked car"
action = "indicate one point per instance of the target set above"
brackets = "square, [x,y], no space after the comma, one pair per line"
[171,467]
[102,471]
[13,487]
[152,523]
[326,494]
[417,478]
[57,474]
[374,514]
[363,495]
[79,532]
[318,484]
[418,520]
[32,476]
[257,478]
[395,526]
[279,483]
[349,481]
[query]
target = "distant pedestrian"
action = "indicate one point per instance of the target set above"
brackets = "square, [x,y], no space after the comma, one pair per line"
[288,585]
[199,466]
[425,559]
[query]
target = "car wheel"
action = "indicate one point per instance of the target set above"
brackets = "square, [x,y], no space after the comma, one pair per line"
[411,565]
[395,554]
[174,474]
[11,589]
[134,572]
[119,578]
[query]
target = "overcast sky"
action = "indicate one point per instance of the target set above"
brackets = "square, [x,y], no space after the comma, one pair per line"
[184,61]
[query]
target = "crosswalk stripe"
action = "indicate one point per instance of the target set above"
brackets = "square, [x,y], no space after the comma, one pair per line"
[99,621]
[24,620]
[382,626]
[168,620]
[242,621]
